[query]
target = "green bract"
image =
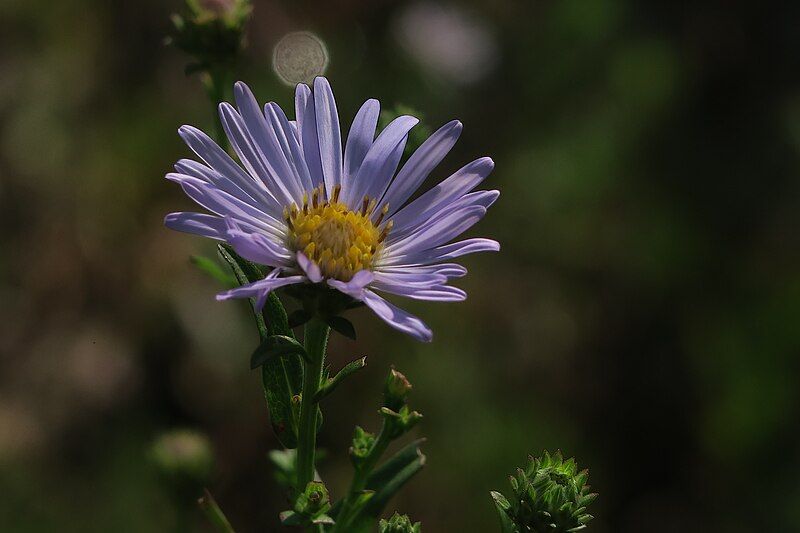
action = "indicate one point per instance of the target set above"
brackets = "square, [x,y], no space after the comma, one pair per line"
[399,524]
[549,495]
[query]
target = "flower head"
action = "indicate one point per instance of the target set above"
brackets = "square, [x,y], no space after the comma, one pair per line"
[550,495]
[320,214]
[399,524]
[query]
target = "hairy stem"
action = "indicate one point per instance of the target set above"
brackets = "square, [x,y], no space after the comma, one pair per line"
[316,341]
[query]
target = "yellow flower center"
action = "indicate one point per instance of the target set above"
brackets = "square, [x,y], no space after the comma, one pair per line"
[340,241]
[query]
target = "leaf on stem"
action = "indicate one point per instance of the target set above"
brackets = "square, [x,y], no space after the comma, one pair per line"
[342,326]
[275,346]
[282,376]
[330,384]
[500,501]
[213,269]
[386,480]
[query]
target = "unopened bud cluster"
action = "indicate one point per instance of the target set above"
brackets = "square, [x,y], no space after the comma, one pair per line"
[362,444]
[399,524]
[212,32]
[399,417]
[549,495]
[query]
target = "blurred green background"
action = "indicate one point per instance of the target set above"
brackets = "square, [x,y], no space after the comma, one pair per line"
[642,315]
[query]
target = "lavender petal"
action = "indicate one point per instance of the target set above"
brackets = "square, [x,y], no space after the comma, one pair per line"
[420,165]
[360,138]
[328,133]
[397,318]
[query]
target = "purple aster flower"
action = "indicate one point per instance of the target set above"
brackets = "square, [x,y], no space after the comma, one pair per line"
[318,214]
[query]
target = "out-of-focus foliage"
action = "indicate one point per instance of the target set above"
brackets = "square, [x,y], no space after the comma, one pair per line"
[642,314]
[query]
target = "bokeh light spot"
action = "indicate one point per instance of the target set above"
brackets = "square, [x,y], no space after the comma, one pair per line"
[299,57]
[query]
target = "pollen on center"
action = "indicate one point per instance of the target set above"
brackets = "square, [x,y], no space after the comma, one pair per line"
[339,240]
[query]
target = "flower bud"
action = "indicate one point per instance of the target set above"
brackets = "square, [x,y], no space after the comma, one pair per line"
[396,390]
[362,444]
[310,507]
[213,31]
[399,422]
[399,524]
[548,495]
[314,500]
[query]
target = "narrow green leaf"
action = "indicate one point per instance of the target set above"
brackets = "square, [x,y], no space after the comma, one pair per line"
[214,270]
[282,376]
[500,501]
[342,326]
[330,384]
[237,264]
[283,381]
[385,473]
[386,481]
[275,346]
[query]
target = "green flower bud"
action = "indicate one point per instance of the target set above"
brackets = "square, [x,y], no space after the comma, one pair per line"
[313,501]
[396,390]
[399,524]
[549,495]
[183,456]
[399,422]
[362,444]
[310,507]
[213,32]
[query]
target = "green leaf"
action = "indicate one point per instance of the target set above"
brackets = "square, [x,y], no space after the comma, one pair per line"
[386,480]
[275,346]
[384,475]
[500,501]
[213,270]
[330,384]
[238,266]
[283,381]
[343,326]
[282,376]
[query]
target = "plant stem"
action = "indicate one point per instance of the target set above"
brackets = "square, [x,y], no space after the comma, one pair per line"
[215,81]
[365,469]
[316,341]
[214,513]
[361,475]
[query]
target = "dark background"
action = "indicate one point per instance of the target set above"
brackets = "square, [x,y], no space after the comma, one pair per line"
[642,315]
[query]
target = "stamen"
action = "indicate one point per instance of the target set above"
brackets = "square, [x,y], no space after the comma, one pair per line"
[364,205]
[383,214]
[339,240]
[386,229]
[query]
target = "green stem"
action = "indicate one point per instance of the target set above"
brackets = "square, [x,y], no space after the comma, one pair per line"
[316,341]
[215,81]
[215,515]
[375,453]
[361,476]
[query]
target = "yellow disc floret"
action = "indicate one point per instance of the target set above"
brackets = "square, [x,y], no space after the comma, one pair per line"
[340,241]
